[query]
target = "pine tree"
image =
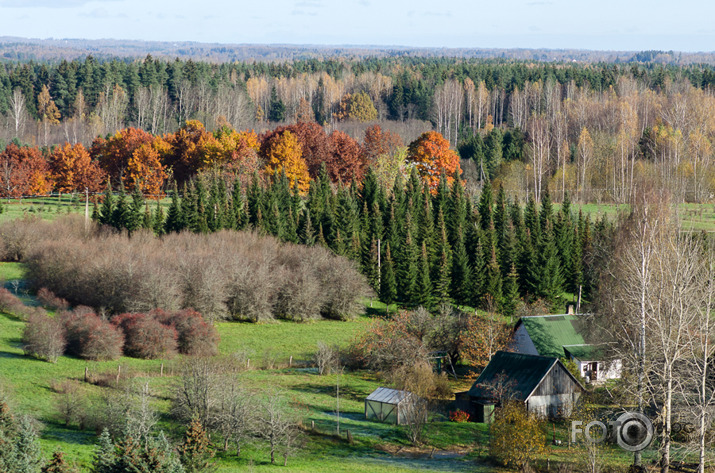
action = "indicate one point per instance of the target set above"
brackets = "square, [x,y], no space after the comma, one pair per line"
[157,223]
[442,263]
[121,215]
[511,293]
[369,263]
[407,268]
[194,452]
[57,464]
[547,276]
[104,455]
[500,218]
[388,284]
[306,232]
[175,221]
[546,215]
[135,215]
[493,283]
[486,206]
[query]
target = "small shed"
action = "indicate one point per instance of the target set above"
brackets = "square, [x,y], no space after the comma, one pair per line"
[392,405]
[542,383]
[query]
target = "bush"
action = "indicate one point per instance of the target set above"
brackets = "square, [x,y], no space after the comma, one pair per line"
[11,304]
[50,301]
[146,337]
[459,416]
[90,337]
[195,336]
[43,337]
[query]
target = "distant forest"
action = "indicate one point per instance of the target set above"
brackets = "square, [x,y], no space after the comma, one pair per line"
[592,130]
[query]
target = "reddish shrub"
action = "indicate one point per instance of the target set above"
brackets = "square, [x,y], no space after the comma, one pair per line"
[43,337]
[88,336]
[195,336]
[146,337]
[459,416]
[49,300]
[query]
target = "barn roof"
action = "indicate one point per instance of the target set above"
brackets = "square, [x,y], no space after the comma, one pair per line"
[522,373]
[388,396]
[550,333]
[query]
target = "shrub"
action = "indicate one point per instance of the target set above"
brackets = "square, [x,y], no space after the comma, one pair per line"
[11,304]
[459,416]
[88,336]
[50,301]
[146,337]
[516,435]
[195,336]
[43,337]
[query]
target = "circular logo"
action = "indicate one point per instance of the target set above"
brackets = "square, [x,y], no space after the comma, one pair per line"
[635,431]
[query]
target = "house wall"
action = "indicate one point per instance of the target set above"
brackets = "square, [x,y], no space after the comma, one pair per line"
[606,370]
[521,342]
[556,394]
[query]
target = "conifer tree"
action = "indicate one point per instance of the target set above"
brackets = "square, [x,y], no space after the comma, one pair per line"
[254,200]
[575,280]
[407,268]
[531,219]
[306,231]
[486,206]
[478,276]
[121,214]
[195,452]
[175,218]
[26,457]
[457,208]
[501,218]
[137,209]
[107,209]
[388,283]
[441,198]
[442,263]
[104,455]
[547,276]
[493,282]
[157,223]
[424,283]
[461,281]
[511,293]
[546,215]
[95,212]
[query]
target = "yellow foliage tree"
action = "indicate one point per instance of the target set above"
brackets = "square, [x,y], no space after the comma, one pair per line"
[431,155]
[145,169]
[516,436]
[284,154]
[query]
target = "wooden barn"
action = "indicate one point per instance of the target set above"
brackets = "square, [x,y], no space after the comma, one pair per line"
[391,405]
[542,383]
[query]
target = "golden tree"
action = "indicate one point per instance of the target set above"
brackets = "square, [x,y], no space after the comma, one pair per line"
[431,155]
[516,436]
[284,154]
[73,169]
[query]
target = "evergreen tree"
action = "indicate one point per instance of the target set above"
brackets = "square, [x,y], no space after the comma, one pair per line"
[121,215]
[277,109]
[461,282]
[369,263]
[486,205]
[457,207]
[423,294]
[442,263]
[135,217]
[547,276]
[478,276]
[546,215]
[175,218]
[157,223]
[575,280]
[27,456]
[254,199]
[501,218]
[407,268]
[194,452]
[388,283]
[493,283]
[104,455]
[306,232]
[511,293]
[107,209]
[95,212]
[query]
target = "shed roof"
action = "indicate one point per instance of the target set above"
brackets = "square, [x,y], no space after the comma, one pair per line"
[584,352]
[388,396]
[550,333]
[523,372]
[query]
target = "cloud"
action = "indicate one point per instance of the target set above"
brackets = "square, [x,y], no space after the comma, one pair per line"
[48,3]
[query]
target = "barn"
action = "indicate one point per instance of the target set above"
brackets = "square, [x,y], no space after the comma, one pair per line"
[391,405]
[542,383]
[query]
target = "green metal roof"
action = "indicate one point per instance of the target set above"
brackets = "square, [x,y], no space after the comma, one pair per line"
[585,352]
[551,332]
[523,373]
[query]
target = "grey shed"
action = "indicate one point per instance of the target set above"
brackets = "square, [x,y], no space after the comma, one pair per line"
[392,405]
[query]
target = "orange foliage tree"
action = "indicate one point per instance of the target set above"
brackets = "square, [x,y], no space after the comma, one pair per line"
[313,140]
[347,158]
[23,171]
[114,153]
[483,336]
[233,152]
[145,169]
[283,153]
[191,149]
[431,155]
[73,169]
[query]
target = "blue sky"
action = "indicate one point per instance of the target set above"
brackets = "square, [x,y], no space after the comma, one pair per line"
[685,25]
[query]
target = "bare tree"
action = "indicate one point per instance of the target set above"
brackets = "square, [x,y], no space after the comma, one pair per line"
[235,413]
[326,358]
[276,425]
[18,110]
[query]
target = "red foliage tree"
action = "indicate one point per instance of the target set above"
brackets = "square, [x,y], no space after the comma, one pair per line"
[188,148]
[73,169]
[315,143]
[195,336]
[23,171]
[346,160]
[378,142]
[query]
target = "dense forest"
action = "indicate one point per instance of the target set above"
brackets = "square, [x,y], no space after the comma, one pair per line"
[592,130]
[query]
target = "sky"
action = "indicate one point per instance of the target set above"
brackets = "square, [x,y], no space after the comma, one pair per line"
[632,25]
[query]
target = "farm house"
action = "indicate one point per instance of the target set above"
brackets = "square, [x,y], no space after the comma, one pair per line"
[391,405]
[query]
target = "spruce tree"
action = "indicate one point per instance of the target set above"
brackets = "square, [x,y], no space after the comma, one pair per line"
[254,200]
[26,457]
[174,219]
[369,263]
[461,281]
[492,283]
[442,263]
[511,293]
[306,232]
[546,215]
[407,268]
[486,206]
[158,220]
[388,283]
[121,215]
[135,217]
[423,295]
[501,218]
[194,451]
[107,209]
